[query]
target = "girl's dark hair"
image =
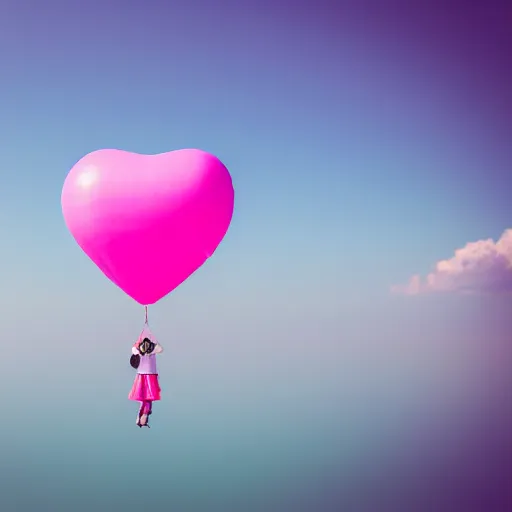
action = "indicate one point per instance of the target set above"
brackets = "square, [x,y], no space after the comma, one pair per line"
[150,346]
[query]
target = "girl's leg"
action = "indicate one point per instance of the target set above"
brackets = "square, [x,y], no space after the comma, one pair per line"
[145,411]
[147,407]
[139,414]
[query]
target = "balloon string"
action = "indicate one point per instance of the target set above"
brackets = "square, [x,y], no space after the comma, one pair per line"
[146,325]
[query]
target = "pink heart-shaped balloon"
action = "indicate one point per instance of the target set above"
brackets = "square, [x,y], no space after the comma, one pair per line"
[148,221]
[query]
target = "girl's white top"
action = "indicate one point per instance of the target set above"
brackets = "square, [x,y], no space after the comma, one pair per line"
[148,363]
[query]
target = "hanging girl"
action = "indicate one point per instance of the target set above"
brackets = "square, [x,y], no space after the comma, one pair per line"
[146,388]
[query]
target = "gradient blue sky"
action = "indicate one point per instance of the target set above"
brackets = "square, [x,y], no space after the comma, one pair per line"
[365,144]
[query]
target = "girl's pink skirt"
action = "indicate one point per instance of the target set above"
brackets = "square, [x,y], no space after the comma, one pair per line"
[145,387]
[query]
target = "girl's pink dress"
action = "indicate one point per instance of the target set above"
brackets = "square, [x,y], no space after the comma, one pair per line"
[145,386]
